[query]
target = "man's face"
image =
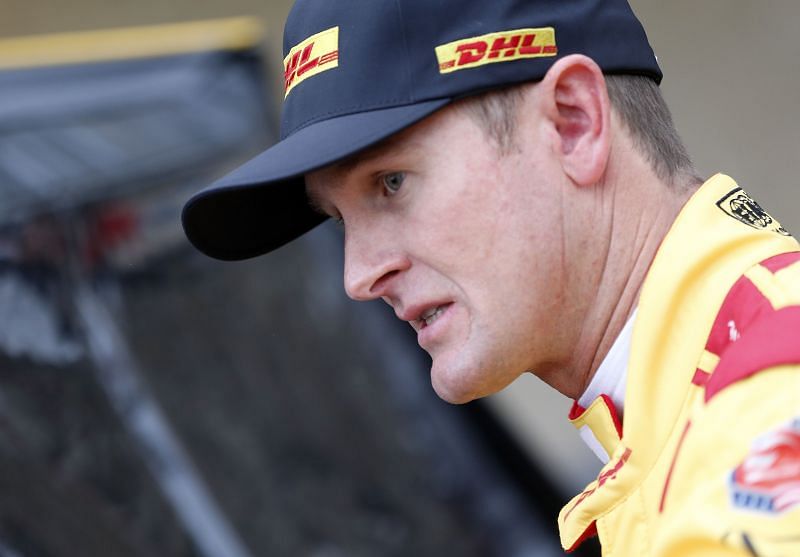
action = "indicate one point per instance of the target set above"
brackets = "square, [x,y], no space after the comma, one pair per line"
[463,241]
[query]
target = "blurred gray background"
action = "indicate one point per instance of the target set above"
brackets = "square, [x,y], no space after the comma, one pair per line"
[732,81]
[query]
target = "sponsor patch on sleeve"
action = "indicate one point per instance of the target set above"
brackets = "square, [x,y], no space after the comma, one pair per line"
[503,46]
[316,54]
[739,205]
[768,479]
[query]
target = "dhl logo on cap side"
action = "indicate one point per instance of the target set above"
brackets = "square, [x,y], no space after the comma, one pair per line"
[313,56]
[504,46]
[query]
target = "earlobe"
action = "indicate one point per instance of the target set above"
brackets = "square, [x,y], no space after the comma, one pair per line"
[581,115]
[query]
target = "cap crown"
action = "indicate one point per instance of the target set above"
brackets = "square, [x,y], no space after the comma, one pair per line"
[386,50]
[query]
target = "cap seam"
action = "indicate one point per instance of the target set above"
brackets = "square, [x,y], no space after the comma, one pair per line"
[409,75]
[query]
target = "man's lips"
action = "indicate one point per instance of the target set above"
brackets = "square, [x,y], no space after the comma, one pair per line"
[422,316]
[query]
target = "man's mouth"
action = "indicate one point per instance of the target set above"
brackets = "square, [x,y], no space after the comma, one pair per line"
[430,316]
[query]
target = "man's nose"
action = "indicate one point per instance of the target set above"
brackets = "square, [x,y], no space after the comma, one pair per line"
[370,267]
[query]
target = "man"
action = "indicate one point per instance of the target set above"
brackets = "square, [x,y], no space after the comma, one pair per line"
[509,181]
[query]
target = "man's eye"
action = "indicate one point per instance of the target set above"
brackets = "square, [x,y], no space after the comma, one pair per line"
[392,182]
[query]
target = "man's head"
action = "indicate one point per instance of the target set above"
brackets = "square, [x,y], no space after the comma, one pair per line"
[451,222]
[459,144]
[471,223]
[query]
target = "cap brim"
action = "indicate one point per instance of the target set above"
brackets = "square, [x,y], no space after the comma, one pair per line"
[262,205]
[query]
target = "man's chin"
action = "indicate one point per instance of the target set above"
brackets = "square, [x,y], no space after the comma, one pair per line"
[454,387]
[453,397]
[457,385]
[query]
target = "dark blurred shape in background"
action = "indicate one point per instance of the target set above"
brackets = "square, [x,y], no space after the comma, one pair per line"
[155,402]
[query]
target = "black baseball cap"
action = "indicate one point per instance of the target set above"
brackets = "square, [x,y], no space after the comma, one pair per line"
[358,71]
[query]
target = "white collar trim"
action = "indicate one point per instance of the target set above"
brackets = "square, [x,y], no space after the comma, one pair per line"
[611,377]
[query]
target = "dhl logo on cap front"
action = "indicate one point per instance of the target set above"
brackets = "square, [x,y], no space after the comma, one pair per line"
[313,56]
[503,46]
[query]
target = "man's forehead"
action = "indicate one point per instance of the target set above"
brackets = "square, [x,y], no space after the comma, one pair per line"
[380,149]
[331,177]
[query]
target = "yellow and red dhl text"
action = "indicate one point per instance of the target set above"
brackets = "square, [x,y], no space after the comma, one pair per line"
[496,47]
[314,55]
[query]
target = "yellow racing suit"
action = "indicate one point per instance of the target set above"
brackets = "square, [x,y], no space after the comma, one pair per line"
[706,461]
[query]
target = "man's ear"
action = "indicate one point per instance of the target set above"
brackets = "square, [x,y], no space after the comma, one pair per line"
[576,101]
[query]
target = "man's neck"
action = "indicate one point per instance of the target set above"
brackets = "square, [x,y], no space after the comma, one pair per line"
[638,227]
[635,214]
